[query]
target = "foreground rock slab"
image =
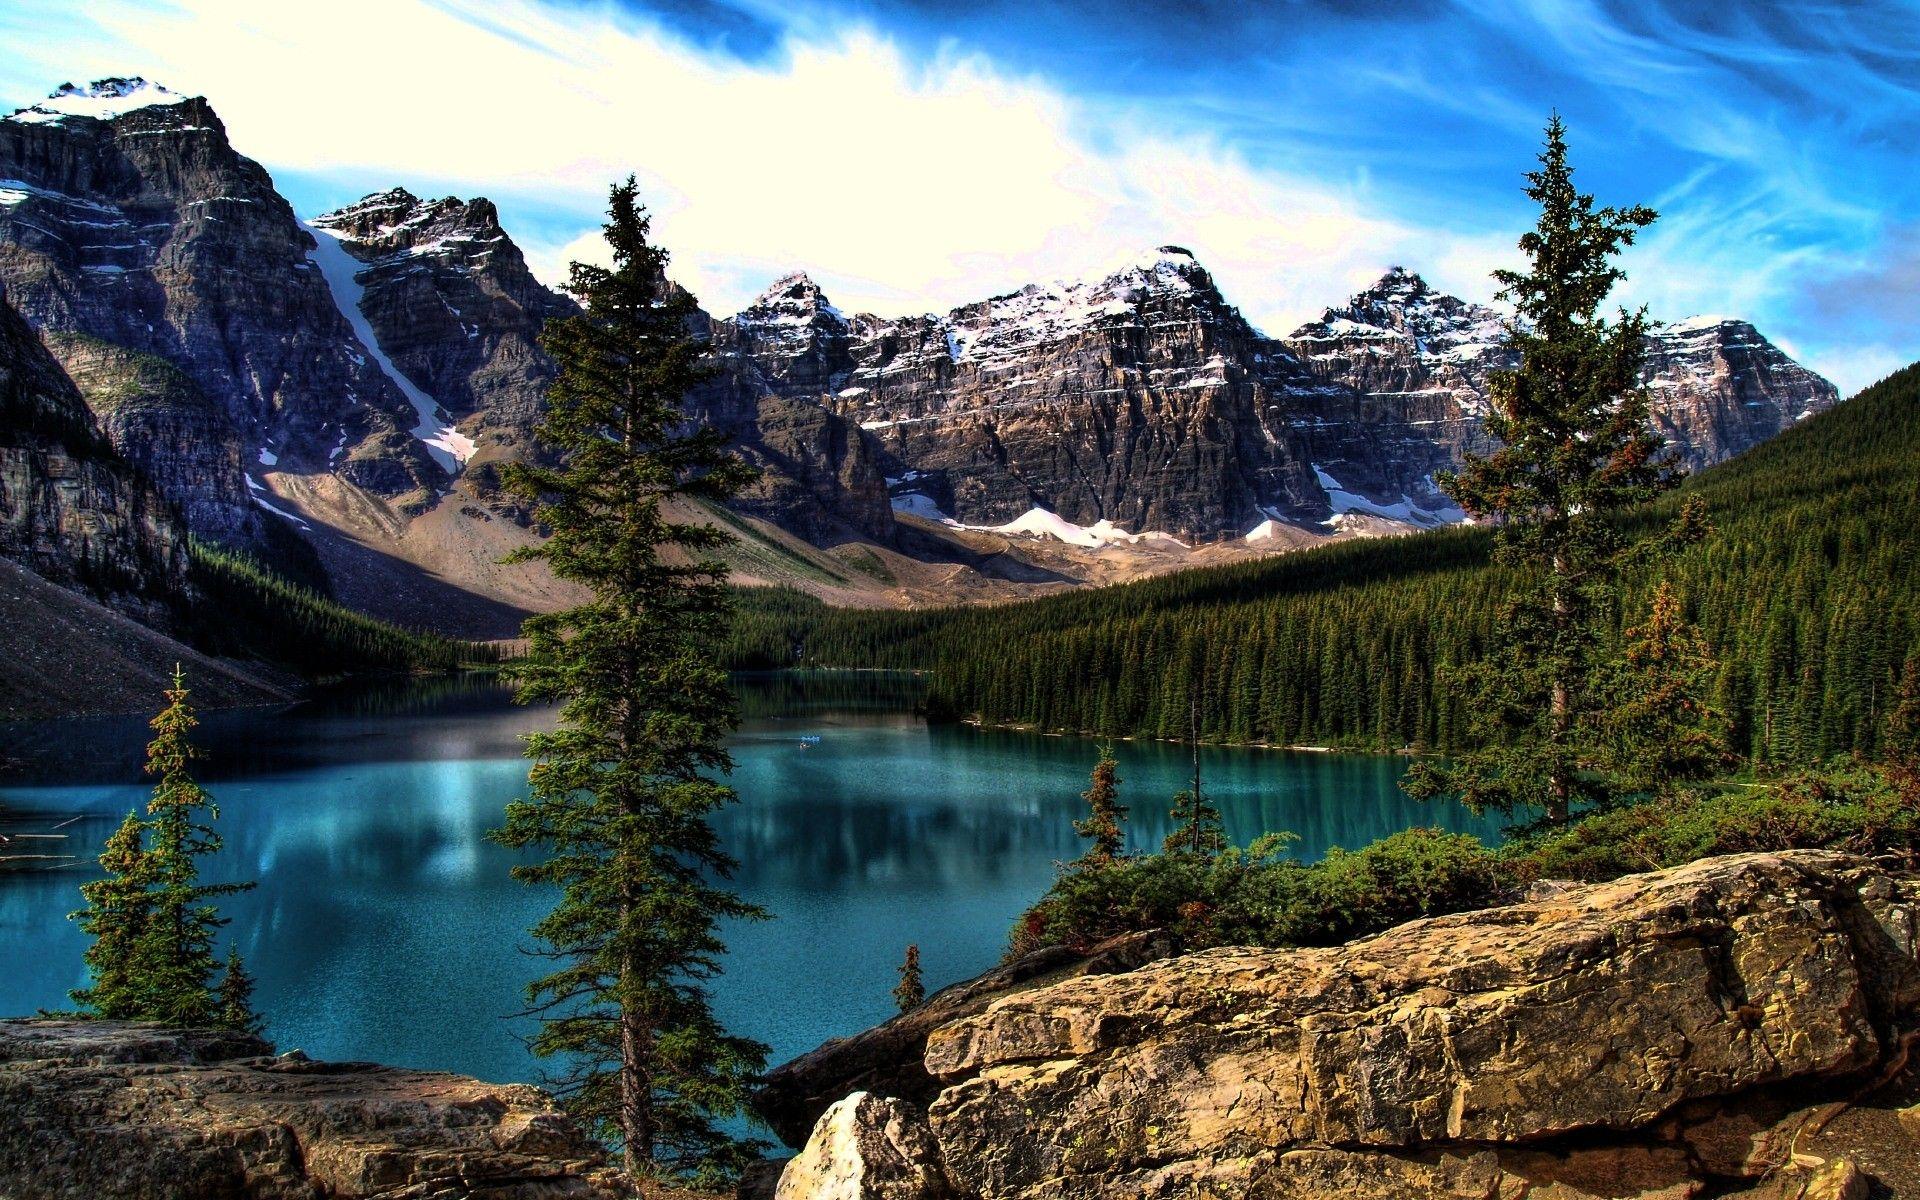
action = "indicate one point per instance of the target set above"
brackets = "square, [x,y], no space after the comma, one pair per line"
[1681,1033]
[102,1109]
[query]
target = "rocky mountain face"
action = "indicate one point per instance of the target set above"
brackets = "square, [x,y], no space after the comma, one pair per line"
[126,216]
[1420,360]
[1715,1029]
[1718,388]
[1144,400]
[821,476]
[452,308]
[163,424]
[71,510]
[450,300]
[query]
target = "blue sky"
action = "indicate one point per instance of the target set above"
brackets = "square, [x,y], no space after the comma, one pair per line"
[916,155]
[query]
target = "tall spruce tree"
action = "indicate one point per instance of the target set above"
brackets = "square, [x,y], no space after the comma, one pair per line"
[175,956]
[620,793]
[1575,447]
[152,920]
[118,907]
[1106,816]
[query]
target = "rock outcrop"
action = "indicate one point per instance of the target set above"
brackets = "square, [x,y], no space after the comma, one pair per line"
[867,1147]
[71,510]
[103,1109]
[886,1060]
[126,215]
[1657,1035]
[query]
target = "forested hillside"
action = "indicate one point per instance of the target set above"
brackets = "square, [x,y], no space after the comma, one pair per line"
[1807,589]
[252,613]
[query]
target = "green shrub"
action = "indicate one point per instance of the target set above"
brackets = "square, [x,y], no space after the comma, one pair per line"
[1259,897]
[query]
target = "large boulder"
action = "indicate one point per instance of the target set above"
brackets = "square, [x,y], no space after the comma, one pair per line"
[1649,1036]
[97,1109]
[886,1060]
[867,1147]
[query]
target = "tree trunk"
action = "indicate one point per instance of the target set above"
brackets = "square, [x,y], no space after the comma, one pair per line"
[636,1087]
[1559,787]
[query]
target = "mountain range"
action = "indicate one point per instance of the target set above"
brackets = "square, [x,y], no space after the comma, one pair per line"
[336,394]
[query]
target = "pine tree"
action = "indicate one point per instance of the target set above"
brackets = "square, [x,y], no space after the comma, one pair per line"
[175,958]
[1106,816]
[118,908]
[620,793]
[910,993]
[1656,727]
[1197,828]
[1575,447]
[1901,738]
[235,997]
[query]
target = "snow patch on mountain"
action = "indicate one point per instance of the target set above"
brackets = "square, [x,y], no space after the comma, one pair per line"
[1405,509]
[257,491]
[1039,522]
[915,504]
[448,446]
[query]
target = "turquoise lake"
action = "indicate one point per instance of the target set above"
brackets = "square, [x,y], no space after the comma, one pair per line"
[385,925]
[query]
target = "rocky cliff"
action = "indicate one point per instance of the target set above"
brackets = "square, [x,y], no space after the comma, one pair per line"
[126,215]
[168,429]
[1692,1031]
[71,510]
[1142,399]
[99,1109]
[821,476]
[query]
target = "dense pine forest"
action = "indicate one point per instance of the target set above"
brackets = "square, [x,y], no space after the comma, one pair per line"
[252,612]
[1806,591]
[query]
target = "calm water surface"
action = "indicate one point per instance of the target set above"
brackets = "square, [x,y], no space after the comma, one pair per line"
[385,925]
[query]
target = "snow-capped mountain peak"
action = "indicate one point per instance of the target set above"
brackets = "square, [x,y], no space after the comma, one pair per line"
[793,299]
[101,100]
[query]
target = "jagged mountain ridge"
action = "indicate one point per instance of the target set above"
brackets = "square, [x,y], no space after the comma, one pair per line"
[1127,400]
[455,309]
[372,367]
[1716,386]
[1143,398]
[127,217]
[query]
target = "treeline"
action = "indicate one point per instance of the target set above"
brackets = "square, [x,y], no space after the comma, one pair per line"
[1806,591]
[247,611]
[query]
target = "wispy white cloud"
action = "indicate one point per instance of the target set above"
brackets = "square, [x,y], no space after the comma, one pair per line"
[904,185]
